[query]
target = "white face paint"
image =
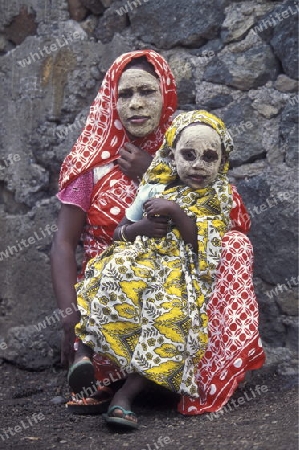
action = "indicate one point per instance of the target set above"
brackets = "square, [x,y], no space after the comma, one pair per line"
[198,156]
[139,102]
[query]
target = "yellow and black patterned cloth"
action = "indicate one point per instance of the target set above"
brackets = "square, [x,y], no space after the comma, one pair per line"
[143,304]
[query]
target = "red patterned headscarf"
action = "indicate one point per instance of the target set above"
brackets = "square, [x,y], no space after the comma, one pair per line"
[104,134]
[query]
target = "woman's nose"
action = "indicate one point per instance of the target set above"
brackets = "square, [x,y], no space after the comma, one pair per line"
[136,101]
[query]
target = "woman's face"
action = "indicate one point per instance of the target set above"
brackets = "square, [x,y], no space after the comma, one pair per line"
[139,102]
[197,156]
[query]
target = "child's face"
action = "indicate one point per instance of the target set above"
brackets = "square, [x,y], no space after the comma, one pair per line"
[198,156]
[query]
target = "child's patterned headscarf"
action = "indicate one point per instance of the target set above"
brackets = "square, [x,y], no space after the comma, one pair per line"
[162,169]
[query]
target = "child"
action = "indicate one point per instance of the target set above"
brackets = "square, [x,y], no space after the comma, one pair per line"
[143,301]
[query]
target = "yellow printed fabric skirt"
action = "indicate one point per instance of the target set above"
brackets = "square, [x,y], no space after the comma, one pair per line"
[141,306]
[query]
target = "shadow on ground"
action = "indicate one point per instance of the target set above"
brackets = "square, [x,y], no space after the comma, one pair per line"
[266,418]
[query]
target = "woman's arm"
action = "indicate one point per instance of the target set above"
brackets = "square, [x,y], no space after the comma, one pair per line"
[126,230]
[71,221]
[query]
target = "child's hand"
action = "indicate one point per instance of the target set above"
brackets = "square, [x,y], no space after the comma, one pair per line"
[159,207]
[155,227]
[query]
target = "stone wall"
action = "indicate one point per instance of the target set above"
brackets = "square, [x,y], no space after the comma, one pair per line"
[238,59]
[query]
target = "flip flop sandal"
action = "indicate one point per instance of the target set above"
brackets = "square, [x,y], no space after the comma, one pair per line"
[120,420]
[91,405]
[81,377]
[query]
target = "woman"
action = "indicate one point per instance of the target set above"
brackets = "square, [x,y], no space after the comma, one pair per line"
[99,177]
[217,375]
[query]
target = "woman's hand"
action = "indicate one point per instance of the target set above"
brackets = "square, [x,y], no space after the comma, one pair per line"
[133,161]
[155,227]
[67,342]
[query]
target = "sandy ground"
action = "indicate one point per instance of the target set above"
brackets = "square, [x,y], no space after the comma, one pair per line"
[267,420]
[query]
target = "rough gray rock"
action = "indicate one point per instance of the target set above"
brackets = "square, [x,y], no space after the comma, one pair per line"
[287,298]
[289,132]
[22,25]
[43,11]
[280,28]
[110,23]
[182,66]
[166,24]
[240,18]
[25,265]
[273,331]
[248,130]
[211,96]
[77,10]
[246,65]
[30,349]
[277,356]
[292,335]
[286,84]
[95,6]
[272,201]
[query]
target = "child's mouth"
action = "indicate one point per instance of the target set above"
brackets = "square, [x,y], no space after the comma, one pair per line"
[199,179]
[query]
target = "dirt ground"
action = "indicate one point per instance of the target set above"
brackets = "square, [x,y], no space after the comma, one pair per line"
[267,420]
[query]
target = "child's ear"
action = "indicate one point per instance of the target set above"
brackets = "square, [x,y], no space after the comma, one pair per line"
[223,161]
[167,152]
[171,153]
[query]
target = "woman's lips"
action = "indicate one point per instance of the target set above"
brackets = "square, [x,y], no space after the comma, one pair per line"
[138,120]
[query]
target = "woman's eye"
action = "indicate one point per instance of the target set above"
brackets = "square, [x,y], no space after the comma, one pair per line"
[210,156]
[124,94]
[148,91]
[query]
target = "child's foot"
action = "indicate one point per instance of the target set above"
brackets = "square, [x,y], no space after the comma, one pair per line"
[119,416]
[121,404]
[119,412]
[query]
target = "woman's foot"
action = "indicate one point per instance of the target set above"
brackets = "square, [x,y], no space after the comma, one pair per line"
[81,376]
[96,404]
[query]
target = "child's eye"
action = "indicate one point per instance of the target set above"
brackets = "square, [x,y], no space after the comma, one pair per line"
[210,156]
[188,155]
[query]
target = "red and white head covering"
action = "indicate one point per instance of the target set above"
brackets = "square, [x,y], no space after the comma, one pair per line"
[104,133]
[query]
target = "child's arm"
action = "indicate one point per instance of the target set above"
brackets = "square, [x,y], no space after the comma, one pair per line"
[185,224]
[134,224]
